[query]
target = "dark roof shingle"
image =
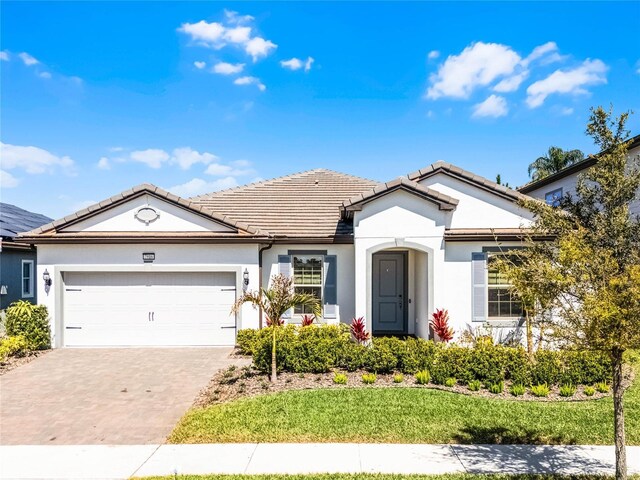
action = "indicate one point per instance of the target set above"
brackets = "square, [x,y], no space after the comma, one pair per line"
[15,220]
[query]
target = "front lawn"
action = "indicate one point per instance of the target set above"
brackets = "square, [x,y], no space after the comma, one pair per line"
[406,415]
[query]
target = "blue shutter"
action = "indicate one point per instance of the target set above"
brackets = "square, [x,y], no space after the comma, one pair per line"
[330,286]
[479,288]
[284,268]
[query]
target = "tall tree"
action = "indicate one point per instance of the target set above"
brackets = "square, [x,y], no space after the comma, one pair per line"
[555,160]
[590,272]
[275,301]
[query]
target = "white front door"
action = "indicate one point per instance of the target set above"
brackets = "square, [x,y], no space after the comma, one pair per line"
[149,309]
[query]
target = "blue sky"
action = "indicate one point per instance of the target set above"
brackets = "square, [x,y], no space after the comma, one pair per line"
[98,97]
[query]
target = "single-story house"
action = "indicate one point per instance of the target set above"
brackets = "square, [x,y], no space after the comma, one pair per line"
[146,267]
[17,258]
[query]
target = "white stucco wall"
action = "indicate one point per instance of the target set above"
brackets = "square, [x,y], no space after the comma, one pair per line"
[345,271]
[439,272]
[172,219]
[106,257]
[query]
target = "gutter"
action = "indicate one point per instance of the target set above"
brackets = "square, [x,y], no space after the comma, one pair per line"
[260,250]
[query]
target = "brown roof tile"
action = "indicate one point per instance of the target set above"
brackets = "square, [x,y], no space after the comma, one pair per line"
[302,205]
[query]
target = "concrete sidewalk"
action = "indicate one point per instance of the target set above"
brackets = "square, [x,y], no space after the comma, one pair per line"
[124,461]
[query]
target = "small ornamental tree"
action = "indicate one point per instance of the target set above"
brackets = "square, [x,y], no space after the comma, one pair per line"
[358,330]
[590,272]
[275,301]
[440,325]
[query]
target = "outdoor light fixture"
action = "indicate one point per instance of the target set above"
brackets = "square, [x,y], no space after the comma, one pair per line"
[245,277]
[3,290]
[47,278]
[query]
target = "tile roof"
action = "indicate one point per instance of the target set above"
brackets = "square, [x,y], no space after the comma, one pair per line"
[145,188]
[444,202]
[467,177]
[15,220]
[302,205]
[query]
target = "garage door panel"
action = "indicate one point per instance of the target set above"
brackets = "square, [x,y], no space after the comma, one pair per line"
[122,309]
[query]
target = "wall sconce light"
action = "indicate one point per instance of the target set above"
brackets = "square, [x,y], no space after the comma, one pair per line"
[3,290]
[47,279]
[245,277]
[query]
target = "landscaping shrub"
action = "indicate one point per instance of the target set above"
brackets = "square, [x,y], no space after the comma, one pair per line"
[15,346]
[398,378]
[518,367]
[546,368]
[540,390]
[602,387]
[450,382]
[496,387]
[381,356]
[585,368]
[474,385]
[340,379]
[567,390]
[285,336]
[517,390]
[246,340]
[589,391]
[352,356]
[369,378]
[423,377]
[31,322]
[417,355]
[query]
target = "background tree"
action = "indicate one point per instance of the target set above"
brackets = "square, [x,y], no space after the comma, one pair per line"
[591,270]
[275,302]
[555,160]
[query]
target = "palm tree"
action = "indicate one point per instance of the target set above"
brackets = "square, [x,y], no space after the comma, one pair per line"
[555,160]
[274,302]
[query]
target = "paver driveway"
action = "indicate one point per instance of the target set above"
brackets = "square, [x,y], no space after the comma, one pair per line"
[103,396]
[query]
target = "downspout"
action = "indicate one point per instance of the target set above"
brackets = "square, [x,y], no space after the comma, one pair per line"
[260,250]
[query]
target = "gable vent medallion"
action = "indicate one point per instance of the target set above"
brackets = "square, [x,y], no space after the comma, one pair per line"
[147,215]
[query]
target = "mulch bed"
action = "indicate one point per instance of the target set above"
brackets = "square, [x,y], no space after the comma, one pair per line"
[243,382]
[14,362]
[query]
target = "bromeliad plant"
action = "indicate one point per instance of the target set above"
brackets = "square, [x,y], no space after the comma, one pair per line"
[358,331]
[307,320]
[440,325]
[275,301]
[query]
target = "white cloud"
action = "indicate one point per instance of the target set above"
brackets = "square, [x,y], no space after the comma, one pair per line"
[116,149]
[494,106]
[218,35]
[81,205]
[7,180]
[512,83]
[185,157]
[259,47]
[225,68]
[539,52]
[4,55]
[296,64]
[566,111]
[573,81]
[104,164]
[27,59]
[478,65]
[638,67]
[33,159]
[152,157]
[219,170]
[46,75]
[433,54]
[250,81]
[199,65]
[198,186]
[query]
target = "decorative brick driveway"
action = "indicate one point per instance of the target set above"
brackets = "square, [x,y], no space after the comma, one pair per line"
[104,396]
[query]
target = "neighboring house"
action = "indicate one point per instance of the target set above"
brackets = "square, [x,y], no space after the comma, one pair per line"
[17,258]
[552,188]
[146,267]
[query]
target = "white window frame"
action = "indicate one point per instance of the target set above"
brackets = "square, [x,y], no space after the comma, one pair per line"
[491,286]
[30,293]
[309,285]
[555,196]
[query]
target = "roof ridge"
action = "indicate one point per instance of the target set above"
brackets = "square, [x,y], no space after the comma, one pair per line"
[204,196]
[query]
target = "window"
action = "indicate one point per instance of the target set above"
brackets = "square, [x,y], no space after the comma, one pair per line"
[503,303]
[307,277]
[27,278]
[553,197]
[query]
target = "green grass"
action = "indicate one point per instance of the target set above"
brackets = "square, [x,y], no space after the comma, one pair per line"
[406,415]
[368,476]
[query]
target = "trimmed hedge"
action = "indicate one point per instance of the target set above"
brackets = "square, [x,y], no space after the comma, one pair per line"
[31,322]
[321,348]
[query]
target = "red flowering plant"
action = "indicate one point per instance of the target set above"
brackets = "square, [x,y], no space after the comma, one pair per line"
[358,330]
[440,325]
[307,320]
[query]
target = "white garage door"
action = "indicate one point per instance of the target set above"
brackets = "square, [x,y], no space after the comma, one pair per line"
[150,309]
